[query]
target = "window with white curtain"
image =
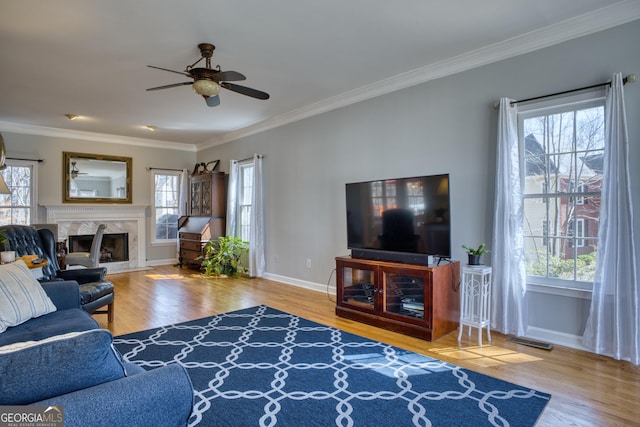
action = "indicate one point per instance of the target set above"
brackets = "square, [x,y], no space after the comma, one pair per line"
[19,206]
[561,153]
[166,185]
[245,201]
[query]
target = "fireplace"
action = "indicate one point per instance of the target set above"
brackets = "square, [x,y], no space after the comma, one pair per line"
[81,219]
[114,248]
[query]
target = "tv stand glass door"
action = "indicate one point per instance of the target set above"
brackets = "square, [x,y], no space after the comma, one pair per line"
[404,295]
[359,288]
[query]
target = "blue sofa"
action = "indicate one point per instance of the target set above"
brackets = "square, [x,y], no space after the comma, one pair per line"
[78,369]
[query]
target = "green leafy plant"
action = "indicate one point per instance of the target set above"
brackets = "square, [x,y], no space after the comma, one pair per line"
[3,241]
[482,249]
[222,256]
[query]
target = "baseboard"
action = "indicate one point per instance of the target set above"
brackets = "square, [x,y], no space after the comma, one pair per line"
[555,337]
[300,283]
[156,262]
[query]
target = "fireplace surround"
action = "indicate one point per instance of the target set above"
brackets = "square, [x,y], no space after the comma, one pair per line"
[84,220]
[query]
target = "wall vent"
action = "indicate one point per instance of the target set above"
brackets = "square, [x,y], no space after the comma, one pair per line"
[530,342]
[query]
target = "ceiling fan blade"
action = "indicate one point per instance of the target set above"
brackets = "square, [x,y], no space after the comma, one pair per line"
[171,85]
[171,71]
[212,101]
[254,93]
[228,76]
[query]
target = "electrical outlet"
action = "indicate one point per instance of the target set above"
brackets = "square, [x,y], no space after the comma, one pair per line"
[308,262]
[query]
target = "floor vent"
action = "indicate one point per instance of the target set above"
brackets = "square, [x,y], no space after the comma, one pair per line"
[530,343]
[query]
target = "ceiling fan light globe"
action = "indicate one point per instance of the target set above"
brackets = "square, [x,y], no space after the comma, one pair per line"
[206,87]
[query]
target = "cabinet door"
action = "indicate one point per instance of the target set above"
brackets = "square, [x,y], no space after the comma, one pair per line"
[357,286]
[205,199]
[406,295]
[196,190]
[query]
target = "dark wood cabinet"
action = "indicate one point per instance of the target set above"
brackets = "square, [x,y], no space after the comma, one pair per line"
[415,300]
[207,195]
[194,234]
[206,218]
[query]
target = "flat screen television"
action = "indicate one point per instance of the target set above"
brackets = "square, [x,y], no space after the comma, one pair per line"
[403,220]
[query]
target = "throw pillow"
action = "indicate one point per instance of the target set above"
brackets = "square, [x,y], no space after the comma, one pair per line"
[38,370]
[21,296]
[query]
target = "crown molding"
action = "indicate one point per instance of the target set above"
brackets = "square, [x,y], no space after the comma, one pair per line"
[579,26]
[93,136]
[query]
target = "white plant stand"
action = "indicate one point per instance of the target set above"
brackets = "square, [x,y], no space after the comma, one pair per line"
[475,300]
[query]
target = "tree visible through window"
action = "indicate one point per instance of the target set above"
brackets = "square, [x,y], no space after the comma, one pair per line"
[562,150]
[17,207]
[166,190]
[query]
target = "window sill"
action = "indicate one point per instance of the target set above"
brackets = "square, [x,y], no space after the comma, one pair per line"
[565,291]
[164,242]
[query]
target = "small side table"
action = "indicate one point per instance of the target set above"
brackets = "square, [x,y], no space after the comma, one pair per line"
[34,269]
[475,301]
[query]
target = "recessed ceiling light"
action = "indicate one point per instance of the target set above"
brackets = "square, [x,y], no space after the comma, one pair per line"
[71,116]
[151,128]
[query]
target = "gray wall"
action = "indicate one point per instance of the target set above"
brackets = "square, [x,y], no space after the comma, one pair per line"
[443,126]
[50,172]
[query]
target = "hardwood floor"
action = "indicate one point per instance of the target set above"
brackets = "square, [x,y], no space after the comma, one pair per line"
[587,390]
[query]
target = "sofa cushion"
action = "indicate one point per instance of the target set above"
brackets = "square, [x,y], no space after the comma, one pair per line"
[21,296]
[62,364]
[56,323]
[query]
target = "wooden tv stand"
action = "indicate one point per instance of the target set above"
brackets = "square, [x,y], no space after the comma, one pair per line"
[415,300]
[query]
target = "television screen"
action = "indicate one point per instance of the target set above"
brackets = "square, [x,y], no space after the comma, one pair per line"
[409,215]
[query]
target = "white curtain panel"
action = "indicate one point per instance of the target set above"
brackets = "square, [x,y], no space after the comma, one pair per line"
[183,209]
[183,196]
[613,326]
[256,236]
[509,308]
[232,197]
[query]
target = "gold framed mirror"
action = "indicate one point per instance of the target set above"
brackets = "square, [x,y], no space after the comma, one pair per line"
[96,178]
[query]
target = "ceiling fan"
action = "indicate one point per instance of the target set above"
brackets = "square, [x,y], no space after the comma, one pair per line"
[208,81]
[75,172]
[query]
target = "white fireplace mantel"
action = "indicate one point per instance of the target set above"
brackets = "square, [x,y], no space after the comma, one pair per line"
[75,219]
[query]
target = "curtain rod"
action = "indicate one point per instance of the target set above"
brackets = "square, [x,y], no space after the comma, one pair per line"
[629,79]
[260,156]
[29,160]
[163,169]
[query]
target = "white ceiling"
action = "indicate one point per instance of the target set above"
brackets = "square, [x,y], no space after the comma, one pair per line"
[90,57]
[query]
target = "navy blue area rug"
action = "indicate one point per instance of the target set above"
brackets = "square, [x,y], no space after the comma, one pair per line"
[263,367]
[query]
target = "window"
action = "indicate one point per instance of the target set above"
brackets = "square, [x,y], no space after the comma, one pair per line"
[165,207]
[246,197]
[19,206]
[562,151]
[383,197]
[577,230]
[579,189]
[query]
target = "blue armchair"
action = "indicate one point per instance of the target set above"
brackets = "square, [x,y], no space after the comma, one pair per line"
[95,291]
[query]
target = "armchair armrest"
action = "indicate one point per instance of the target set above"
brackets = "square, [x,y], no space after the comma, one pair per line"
[160,397]
[83,275]
[63,293]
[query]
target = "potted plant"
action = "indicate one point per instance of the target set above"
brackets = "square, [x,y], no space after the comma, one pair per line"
[5,255]
[222,256]
[475,254]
